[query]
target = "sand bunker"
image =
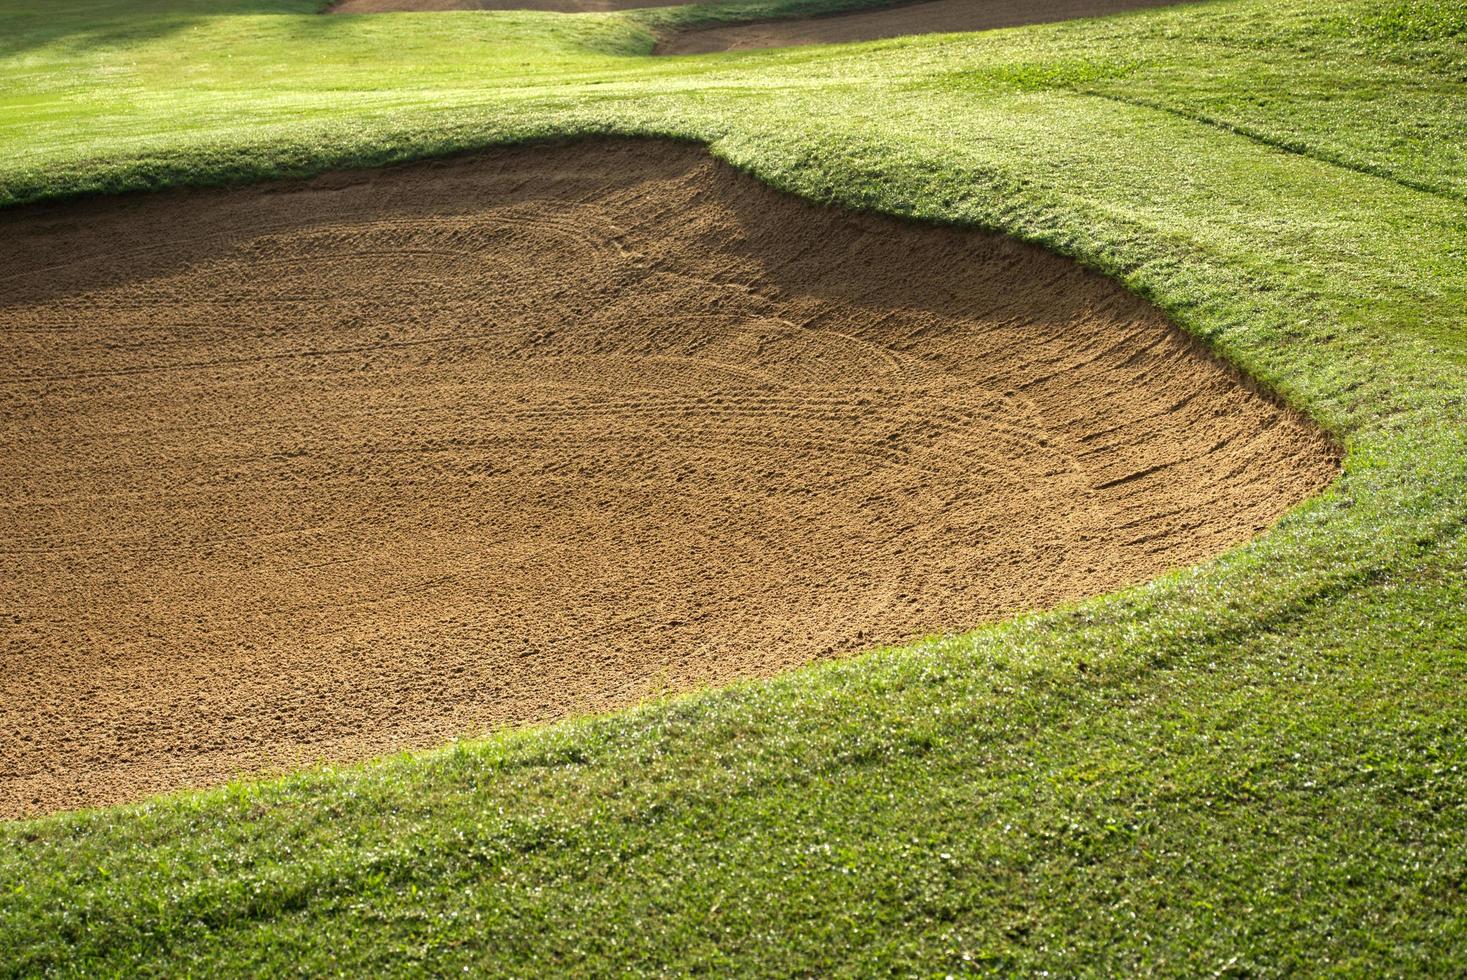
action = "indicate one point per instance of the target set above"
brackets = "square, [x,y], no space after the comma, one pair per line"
[934,17]
[558,6]
[328,469]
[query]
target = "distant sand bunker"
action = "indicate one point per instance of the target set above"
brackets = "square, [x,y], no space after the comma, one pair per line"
[930,17]
[328,469]
[558,6]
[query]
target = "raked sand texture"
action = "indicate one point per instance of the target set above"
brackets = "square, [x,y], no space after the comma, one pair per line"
[323,470]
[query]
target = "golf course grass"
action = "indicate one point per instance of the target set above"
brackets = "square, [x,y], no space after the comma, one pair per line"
[1256,766]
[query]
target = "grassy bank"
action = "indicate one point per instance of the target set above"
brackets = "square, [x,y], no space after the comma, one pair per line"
[1252,767]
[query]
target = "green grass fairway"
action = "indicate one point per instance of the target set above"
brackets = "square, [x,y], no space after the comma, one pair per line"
[1254,767]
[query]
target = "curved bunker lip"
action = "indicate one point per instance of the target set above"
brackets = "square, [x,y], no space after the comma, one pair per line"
[327,469]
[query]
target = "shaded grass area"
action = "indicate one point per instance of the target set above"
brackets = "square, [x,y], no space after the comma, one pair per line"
[1253,767]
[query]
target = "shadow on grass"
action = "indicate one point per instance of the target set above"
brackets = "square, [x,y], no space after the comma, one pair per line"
[26,25]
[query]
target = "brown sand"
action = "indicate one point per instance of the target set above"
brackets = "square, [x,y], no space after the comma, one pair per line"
[329,469]
[558,6]
[933,17]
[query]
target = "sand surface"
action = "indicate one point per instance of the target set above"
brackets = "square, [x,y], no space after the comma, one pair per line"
[558,6]
[323,470]
[933,17]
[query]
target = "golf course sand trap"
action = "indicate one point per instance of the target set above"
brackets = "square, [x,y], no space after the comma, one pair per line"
[324,470]
[933,17]
[558,6]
